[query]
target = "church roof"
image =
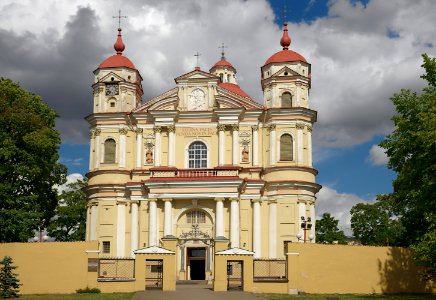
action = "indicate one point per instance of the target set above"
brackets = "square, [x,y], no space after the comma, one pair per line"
[285,55]
[233,88]
[118,60]
[222,63]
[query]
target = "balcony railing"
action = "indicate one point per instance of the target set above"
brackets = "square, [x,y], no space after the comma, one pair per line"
[194,173]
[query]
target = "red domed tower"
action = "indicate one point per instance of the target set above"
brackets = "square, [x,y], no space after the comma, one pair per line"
[117,84]
[286,77]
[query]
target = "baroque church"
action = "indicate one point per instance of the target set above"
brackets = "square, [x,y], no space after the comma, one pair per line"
[202,163]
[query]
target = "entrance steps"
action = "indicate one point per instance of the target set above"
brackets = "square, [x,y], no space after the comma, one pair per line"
[184,282]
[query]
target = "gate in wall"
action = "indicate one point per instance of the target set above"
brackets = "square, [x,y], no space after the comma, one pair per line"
[234,275]
[153,274]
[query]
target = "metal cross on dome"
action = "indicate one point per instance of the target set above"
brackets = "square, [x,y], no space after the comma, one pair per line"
[119,18]
[222,50]
[198,56]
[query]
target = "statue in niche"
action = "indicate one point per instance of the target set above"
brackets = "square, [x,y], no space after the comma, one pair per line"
[149,156]
[197,100]
[245,154]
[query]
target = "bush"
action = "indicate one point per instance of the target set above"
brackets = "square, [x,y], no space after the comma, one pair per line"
[87,290]
[9,282]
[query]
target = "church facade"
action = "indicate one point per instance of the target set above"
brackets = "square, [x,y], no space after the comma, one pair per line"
[202,162]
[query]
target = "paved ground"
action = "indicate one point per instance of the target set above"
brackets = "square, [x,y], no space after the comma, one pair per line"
[195,292]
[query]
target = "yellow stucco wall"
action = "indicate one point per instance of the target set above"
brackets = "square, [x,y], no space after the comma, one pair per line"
[315,268]
[50,267]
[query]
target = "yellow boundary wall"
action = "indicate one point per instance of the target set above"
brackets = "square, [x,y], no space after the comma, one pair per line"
[50,268]
[63,268]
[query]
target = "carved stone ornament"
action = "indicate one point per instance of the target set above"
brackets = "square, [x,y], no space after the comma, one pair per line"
[139,130]
[235,127]
[157,129]
[221,127]
[272,127]
[309,128]
[245,137]
[195,234]
[171,128]
[149,156]
[97,132]
[123,130]
[255,127]
[197,100]
[299,126]
[245,154]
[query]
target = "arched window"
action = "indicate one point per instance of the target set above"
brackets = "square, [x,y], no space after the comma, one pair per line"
[109,151]
[222,77]
[197,155]
[286,147]
[228,77]
[286,99]
[195,217]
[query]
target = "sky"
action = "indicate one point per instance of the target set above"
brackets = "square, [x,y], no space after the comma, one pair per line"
[361,53]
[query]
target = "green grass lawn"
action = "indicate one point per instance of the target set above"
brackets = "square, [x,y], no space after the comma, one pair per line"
[350,297]
[114,296]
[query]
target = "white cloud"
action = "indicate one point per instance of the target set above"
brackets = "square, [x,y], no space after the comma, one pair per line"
[356,65]
[71,178]
[377,156]
[338,205]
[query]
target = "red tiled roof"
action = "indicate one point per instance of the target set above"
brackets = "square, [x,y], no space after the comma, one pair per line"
[222,63]
[233,88]
[116,61]
[285,56]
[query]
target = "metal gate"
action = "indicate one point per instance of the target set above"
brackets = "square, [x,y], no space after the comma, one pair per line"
[234,275]
[153,274]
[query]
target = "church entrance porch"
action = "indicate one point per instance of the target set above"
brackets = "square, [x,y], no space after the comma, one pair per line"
[197,263]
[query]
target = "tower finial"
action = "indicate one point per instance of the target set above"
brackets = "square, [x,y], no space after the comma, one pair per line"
[119,45]
[197,55]
[285,41]
[222,50]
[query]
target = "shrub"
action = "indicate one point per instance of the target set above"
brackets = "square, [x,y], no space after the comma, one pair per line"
[88,290]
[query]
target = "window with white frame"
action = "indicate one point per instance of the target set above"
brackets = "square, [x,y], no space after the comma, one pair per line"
[197,155]
[195,217]
[109,151]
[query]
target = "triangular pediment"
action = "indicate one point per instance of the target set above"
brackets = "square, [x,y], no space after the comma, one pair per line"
[285,71]
[166,101]
[235,251]
[153,250]
[108,78]
[196,74]
[229,99]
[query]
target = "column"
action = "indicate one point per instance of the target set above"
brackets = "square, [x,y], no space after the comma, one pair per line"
[208,258]
[219,218]
[97,148]
[93,225]
[301,213]
[300,128]
[182,258]
[121,228]
[91,149]
[221,144]
[272,243]
[88,222]
[309,146]
[139,147]
[122,155]
[255,144]
[272,144]
[168,218]
[257,233]
[152,225]
[298,96]
[134,232]
[234,223]
[313,221]
[157,151]
[235,148]
[171,144]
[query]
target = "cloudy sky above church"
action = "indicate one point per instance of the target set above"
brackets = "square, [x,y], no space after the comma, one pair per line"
[361,53]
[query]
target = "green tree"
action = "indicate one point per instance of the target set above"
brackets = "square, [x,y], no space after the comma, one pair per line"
[411,149]
[9,283]
[374,224]
[327,231]
[69,222]
[29,167]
